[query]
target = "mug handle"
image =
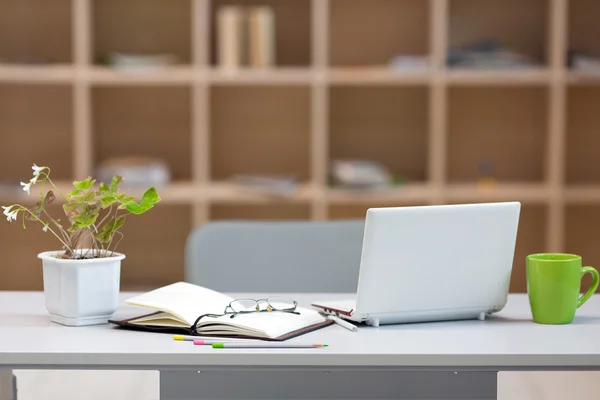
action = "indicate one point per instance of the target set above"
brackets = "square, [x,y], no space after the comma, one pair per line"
[593,286]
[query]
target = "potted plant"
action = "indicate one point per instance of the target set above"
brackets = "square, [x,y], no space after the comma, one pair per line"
[82,279]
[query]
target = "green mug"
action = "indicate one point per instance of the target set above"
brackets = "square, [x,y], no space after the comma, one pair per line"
[554,285]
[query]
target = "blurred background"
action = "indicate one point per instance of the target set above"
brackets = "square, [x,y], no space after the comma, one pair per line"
[300,109]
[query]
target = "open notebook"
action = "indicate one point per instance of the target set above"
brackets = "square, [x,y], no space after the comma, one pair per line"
[177,306]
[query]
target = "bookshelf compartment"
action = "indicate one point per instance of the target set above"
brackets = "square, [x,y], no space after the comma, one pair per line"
[359,211]
[35,32]
[272,212]
[144,122]
[388,125]
[583,123]
[23,270]
[502,129]
[37,127]
[518,26]
[269,135]
[155,259]
[292,36]
[382,30]
[142,27]
[581,235]
[583,29]
[531,238]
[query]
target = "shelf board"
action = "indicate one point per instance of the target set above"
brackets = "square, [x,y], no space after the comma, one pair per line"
[231,193]
[409,193]
[472,192]
[173,193]
[109,76]
[37,73]
[582,194]
[370,76]
[13,193]
[247,76]
[582,78]
[525,76]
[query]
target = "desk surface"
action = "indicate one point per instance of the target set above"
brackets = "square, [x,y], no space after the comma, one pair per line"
[509,340]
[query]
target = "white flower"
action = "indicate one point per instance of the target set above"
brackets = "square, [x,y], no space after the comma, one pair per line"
[11,216]
[37,170]
[26,187]
[34,179]
[45,228]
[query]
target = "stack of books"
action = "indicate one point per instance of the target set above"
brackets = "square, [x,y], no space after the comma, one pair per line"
[245,37]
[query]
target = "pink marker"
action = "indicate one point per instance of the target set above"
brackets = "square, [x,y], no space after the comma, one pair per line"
[201,342]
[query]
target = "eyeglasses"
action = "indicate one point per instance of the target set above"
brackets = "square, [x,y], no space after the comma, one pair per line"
[270,304]
[247,306]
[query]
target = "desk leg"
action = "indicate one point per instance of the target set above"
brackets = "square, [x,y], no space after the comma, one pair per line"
[331,384]
[8,385]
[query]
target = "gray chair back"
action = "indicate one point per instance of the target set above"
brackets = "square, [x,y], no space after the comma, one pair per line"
[275,257]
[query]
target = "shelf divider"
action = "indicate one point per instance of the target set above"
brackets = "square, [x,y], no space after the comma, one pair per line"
[555,160]
[320,107]
[82,149]
[436,159]
[200,109]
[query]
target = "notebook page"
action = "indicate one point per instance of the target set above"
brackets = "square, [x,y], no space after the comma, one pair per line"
[270,324]
[184,301]
[161,319]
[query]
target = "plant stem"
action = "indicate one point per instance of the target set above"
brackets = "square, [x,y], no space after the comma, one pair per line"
[116,245]
[59,226]
[47,174]
[50,229]
[106,216]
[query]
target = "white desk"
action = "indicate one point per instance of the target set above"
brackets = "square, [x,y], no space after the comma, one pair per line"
[401,361]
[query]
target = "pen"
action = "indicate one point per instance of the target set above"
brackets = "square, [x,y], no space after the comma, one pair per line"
[201,342]
[185,338]
[265,345]
[344,324]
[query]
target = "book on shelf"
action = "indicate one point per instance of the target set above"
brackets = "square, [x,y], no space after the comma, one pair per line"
[261,34]
[245,37]
[176,308]
[230,49]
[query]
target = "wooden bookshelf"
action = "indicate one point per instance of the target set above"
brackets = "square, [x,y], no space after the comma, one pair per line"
[332,94]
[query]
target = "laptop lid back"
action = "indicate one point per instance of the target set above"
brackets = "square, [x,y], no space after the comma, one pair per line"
[437,257]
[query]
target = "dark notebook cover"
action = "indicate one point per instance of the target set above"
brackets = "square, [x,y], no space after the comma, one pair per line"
[125,324]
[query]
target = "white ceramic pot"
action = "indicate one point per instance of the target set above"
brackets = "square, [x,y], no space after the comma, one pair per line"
[81,292]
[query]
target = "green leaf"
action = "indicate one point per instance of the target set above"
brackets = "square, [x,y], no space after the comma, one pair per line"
[103,189]
[84,185]
[70,209]
[41,205]
[74,192]
[150,197]
[108,229]
[134,208]
[85,220]
[49,199]
[108,201]
[116,181]
[84,197]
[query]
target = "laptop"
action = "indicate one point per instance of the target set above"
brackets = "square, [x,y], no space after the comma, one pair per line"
[432,263]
